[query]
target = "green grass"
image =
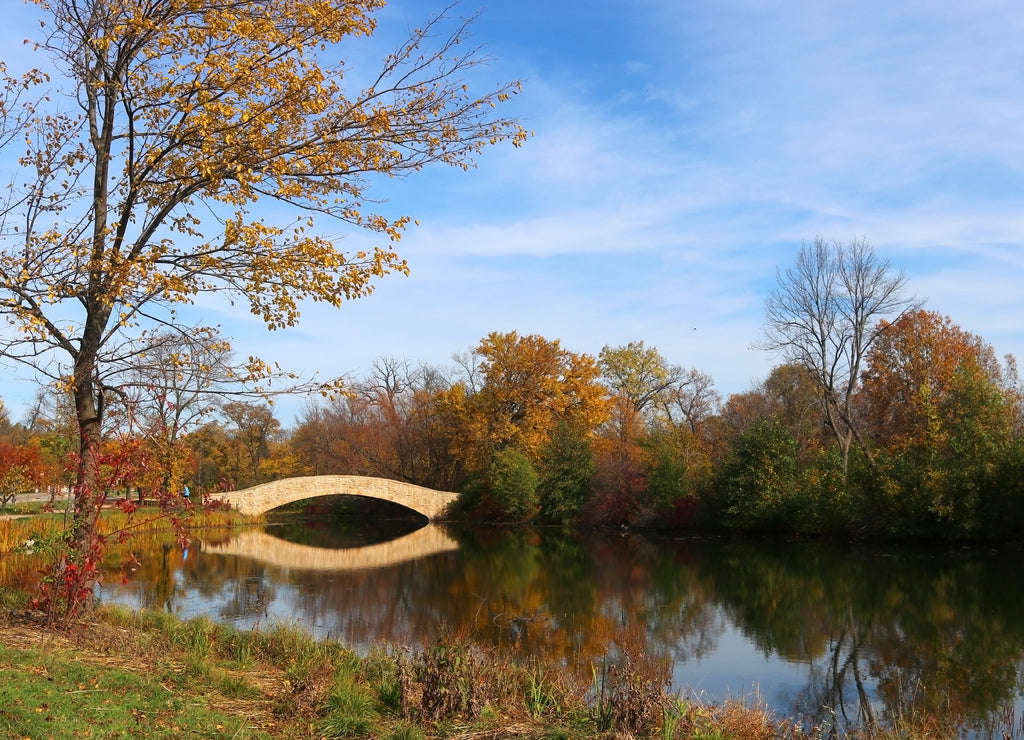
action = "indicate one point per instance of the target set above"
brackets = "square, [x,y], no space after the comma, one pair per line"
[350,711]
[57,696]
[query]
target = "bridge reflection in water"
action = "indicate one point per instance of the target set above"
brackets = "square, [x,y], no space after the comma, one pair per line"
[258,545]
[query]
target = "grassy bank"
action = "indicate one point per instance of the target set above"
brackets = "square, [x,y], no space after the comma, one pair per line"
[24,522]
[129,675]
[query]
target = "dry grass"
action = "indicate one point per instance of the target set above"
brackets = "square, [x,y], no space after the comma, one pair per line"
[734,719]
[15,530]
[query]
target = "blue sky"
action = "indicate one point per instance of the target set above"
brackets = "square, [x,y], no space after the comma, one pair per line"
[682,152]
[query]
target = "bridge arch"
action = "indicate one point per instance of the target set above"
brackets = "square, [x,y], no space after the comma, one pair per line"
[266,496]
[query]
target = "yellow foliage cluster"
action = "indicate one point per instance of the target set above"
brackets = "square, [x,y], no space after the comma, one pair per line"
[192,111]
[529,386]
[189,112]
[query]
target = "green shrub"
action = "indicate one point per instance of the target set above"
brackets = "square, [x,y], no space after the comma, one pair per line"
[514,483]
[758,480]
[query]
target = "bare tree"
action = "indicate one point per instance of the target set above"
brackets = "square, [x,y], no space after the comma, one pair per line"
[255,428]
[825,314]
[176,382]
[692,400]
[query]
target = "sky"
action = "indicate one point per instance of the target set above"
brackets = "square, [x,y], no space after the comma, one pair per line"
[682,152]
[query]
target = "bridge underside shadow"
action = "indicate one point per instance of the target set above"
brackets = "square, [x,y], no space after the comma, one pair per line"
[351,508]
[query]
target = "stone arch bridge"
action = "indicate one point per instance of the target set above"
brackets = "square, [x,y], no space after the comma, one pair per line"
[266,496]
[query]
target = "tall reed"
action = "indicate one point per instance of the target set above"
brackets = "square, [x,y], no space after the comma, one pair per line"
[16,531]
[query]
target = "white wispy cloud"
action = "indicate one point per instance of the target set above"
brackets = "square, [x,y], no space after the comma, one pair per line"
[684,151]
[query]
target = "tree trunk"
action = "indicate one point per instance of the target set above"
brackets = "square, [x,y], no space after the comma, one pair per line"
[88,393]
[89,493]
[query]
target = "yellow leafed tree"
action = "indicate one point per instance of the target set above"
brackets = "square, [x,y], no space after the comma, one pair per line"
[151,134]
[529,385]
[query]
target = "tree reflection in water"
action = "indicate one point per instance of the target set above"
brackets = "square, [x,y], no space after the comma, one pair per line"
[889,633]
[247,600]
[877,634]
[837,686]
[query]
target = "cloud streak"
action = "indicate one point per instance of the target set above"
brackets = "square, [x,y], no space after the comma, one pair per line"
[682,153]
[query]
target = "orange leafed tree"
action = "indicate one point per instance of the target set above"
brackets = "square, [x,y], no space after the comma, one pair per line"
[152,134]
[22,469]
[924,376]
[937,399]
[529,385]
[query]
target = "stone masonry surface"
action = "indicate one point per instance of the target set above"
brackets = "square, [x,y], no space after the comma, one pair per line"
[266,496]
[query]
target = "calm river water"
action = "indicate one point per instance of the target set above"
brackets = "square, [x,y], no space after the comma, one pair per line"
[844,633]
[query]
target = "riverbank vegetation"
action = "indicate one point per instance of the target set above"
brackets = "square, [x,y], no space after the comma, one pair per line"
[912,428]
[41,523]
[883,420]
[131,674]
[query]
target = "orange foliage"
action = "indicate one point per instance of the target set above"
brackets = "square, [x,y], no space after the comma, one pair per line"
[22,469]
[530,384]
[926,378]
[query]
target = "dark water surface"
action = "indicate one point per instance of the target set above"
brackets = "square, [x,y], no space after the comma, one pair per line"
[833,633]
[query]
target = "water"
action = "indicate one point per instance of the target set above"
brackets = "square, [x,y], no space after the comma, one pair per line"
[829,633]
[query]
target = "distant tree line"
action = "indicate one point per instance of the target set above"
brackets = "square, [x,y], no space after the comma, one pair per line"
[882,419]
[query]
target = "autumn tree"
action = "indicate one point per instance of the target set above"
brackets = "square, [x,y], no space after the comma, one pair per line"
[22,470]
[313,439]
[254,429]
[141,195]
[655,444]
[682,444]
[639,380]
[10,431]
[942,410]
[355,433]
[825,315]
[638,374]
[413,440]
[390,424]
[529,387]
[792,397]
[530,384]
[214,451]
[425,444]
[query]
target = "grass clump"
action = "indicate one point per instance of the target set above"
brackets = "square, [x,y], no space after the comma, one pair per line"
[350,711]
